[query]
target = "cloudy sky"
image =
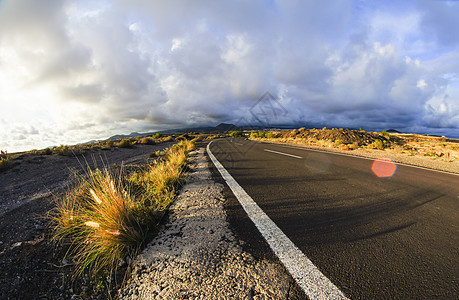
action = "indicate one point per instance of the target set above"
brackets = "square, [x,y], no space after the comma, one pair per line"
[73,71]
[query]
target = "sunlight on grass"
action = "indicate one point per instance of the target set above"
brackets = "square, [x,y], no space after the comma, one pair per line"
[109,215]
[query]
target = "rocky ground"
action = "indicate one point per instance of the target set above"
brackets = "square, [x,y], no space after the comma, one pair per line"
[197,256]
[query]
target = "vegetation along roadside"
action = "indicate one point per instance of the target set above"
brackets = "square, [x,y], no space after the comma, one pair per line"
[109,215]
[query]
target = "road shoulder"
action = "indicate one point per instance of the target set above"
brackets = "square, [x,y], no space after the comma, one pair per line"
[197,255]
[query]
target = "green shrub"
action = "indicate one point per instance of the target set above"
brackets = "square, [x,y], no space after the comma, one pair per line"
[235,134]
[5,161]
[378,144]
[254,135]
[125,143]
[62,150]
[157,135]
[271,135]
[385,134]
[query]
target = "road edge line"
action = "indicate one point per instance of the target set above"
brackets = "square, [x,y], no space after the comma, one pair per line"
[315,284]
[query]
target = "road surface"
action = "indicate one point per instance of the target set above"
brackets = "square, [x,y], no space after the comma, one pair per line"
[375,230]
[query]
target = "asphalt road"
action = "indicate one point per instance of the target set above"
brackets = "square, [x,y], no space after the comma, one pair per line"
[393,237]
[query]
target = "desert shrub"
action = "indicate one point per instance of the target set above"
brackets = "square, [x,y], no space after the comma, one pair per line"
[168,138]
[62,150]
[157,135]
[147,141]
[235,133]
[5,161]
[183,137]
[261,134]
[344,147]
[125,143]
[338,142]
[271,135]
[353,146]
[385,134]
[110,143]
[293,133]
[378,144]
[109,215]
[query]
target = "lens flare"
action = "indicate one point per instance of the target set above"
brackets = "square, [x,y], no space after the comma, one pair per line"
[384,167]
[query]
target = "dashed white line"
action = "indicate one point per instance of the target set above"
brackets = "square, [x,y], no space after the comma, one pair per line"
[315,284]
[239,144]
[367,158]
[282,153]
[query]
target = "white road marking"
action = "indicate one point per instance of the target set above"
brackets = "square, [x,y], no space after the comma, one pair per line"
[239,144]
[363,157]
[305,273]
[286,154]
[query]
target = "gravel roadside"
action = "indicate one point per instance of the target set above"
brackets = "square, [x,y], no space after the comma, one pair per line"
[197,256]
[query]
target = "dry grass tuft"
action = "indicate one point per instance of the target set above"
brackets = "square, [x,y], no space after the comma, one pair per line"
[109,216]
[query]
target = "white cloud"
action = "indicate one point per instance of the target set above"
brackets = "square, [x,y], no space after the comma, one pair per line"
[98,68]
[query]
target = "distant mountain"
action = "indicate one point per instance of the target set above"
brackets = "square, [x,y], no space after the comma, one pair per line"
[223,127]
[123,136]
[220,128]
[392,131]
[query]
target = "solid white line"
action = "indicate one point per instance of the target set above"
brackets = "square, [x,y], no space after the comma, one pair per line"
[295,156]
[305,273]
[363,157]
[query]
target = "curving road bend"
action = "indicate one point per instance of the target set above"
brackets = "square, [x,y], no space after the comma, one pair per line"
[375,229]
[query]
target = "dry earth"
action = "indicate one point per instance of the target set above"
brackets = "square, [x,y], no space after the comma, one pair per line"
[31,267]
[197,256]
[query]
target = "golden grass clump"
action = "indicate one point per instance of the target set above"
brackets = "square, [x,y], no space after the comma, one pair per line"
[157,184]
[102,221]
[108,216]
